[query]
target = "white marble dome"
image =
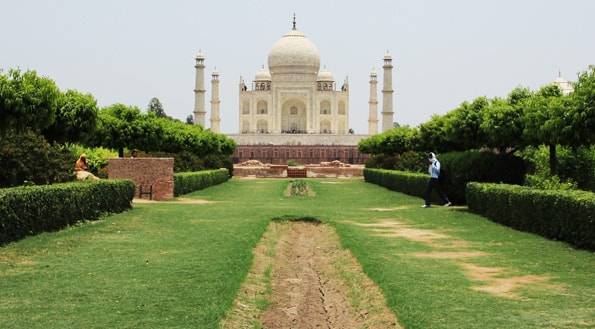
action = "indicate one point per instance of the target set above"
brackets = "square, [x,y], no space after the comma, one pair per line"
[294,53]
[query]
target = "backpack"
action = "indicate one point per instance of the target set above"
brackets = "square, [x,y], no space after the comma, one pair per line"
[442,175]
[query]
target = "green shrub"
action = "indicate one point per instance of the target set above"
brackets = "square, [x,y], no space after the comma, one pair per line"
[26,157]
[292,163]
[475,166]
[574,165]
[97,157]
[401,181]
[406,161]
[460,168]
[187,182]
[29,210]
[566,215]
[548,183]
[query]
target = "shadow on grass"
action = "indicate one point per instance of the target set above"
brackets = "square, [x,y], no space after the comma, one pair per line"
[293,218]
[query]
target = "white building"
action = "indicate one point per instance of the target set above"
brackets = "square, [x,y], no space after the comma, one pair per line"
[293,95]
[292,101]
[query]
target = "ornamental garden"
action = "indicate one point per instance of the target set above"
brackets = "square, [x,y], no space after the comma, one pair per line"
[514,251]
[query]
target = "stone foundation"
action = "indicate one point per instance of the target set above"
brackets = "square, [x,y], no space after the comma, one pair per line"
[145,172]
[314,171]
[302,154]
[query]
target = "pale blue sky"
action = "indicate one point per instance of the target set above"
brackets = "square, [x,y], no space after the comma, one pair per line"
[444,52]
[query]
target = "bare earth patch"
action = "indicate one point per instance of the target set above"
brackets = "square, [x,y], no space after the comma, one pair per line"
[316,284]
[493,280]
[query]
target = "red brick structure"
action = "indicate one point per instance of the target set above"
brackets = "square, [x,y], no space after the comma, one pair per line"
[303,154]
[149,174]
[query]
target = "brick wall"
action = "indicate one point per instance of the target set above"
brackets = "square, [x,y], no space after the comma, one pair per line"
[303,154]
[145,172]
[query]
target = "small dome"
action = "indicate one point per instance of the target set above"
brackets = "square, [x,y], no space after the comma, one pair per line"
[294,53]
[200,55]
[263,75]
[325,75]
[373,72]
[387,55]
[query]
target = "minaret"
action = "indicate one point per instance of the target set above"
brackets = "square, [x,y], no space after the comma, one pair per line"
[387,93]
[373,104]
[199,90]
[215,119]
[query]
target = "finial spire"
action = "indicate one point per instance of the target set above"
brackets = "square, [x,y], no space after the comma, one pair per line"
[294,28]
[559,73]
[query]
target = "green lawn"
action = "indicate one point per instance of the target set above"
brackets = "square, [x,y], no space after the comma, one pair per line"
[180,265]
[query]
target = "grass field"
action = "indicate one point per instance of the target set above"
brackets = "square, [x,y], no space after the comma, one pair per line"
[180,265]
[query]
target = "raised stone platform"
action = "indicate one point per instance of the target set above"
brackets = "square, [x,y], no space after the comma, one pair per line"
[296,139]
[302,148]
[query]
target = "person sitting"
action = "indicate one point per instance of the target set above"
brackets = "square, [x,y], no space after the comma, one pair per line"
[81,169]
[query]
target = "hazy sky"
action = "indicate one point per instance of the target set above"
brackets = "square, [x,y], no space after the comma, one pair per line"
[444,52]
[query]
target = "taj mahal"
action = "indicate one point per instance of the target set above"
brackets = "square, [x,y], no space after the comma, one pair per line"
[294,109]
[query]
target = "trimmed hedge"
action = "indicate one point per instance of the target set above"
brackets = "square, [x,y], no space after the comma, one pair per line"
[401,181]
[29,210]
[187,182]
[475,166]
[566,215]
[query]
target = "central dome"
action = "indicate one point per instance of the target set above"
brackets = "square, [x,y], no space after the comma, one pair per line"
[294,53]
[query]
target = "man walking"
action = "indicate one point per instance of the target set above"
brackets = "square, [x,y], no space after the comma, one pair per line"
[434,182]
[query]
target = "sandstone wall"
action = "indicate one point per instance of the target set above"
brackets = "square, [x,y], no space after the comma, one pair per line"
[145,172]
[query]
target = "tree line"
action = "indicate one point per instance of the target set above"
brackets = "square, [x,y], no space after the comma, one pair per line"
[523,118]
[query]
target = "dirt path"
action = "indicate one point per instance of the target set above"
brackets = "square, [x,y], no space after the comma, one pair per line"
[313,284]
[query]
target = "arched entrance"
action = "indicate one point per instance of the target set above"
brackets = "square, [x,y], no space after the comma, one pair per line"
[293,117]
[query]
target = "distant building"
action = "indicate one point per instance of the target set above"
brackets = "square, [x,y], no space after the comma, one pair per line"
[293,110]
[564,85]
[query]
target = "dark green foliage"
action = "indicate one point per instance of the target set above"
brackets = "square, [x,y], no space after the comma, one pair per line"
[156,108]
[400,181]
[187,182]
[406,161]
[27,101]
[475,166]
[394,141]
[575,165]
[29,210]
[294,218]
[583,111]
[122,126]
[76,118]
[556,214]
[27,157]
[461,168]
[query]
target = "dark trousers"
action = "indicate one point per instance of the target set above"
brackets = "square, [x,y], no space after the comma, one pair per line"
[433,183]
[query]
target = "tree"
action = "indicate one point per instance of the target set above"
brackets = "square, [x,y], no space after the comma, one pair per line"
[190,119]
[462,125]
[582,113]
[391,142]
[546,121]
[27,101]
[502,126]
[76,118]
[156,108]
[432,136]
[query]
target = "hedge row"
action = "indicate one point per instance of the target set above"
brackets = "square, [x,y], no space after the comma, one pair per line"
[187,182]
[564,215]
[401,181]
[29,210]
[475,166]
